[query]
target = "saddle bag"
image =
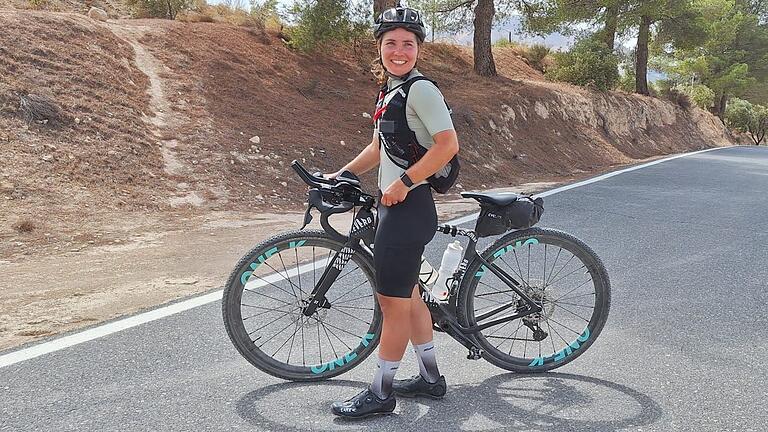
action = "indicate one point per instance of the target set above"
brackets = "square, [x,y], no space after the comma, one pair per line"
[522,213]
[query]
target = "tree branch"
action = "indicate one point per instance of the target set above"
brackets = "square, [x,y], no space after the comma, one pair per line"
[465,3]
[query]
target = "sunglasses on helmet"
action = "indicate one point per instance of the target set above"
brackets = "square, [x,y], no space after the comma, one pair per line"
[399,15]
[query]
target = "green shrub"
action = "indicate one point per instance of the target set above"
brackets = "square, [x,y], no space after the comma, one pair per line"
[158,8]
[505,43]
[745,117]
[589,63]
[627,81]
[536,55]
[699,94]
[320,23]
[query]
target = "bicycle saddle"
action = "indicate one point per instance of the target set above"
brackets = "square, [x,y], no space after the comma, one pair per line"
[496,198]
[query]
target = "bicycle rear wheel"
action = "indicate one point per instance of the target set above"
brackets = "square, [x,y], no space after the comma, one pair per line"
[558,271]
[268,290]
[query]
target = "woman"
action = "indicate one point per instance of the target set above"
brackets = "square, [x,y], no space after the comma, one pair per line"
[407,216]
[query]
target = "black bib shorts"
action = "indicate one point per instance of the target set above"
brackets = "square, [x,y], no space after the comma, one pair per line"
[403,231]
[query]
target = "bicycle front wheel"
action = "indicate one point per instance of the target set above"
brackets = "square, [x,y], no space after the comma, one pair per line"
[266,296]
[557,271]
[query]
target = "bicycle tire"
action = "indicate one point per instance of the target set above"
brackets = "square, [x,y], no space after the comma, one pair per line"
[576,342]
[268,293]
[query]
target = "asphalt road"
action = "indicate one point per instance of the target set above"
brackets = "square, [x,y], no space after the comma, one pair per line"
[685,346]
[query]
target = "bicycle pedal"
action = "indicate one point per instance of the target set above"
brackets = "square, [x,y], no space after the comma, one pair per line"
[475,354]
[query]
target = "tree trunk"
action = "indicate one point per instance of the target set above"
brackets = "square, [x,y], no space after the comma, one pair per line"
[641,57]
[484,64]
[380,6]
[720,104]
[611,22]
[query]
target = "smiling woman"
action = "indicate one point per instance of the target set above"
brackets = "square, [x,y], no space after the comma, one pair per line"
[413,140]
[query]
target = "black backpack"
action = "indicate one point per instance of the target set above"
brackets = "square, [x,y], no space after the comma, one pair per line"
[399,141]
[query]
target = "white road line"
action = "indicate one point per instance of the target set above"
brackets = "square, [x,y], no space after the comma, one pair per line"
[142,318]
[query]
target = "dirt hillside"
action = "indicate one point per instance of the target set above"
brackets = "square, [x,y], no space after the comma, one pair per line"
[163,116]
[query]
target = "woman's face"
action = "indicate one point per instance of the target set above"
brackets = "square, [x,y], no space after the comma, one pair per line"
[399,49]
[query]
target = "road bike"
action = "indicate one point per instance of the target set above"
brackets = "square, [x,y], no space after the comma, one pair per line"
[301,305]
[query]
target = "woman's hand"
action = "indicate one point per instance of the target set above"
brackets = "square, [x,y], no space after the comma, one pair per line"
[332,176]
[395,193]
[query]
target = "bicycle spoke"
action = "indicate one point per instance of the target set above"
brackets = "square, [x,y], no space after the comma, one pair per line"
[499,329]
[554,350]
[264,308]
[529,265]
[558,333]
[525,346]
[303,349]
[552,276]
[290,350]
[295,322]
[335,335]
[522,281]
[566,327]
[514,297]
[517,261]
[544,276]
[329,338]
[271,321]
[273,336]
[269,297]
[339,329]
[573,304]
[357,318]
[573,297]
[354,307]
[572,313]
[268,311]
[557,257]
[336,300]
[266,282]
[574,289]
[582,267]
[296,251]
[514,338]
[347,274]
[280,255]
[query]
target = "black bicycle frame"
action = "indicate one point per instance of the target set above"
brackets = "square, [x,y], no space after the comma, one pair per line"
[444,314]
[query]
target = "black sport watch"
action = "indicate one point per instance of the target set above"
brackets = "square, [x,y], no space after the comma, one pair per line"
[406,180]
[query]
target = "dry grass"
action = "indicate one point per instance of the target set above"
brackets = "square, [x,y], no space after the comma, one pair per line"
[24,226]
[221,13]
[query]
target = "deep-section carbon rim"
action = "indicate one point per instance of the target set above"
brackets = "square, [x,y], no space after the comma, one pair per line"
[267,292]
[559,272]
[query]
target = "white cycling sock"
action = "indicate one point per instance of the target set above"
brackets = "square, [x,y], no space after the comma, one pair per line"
[425,353]
[382,379]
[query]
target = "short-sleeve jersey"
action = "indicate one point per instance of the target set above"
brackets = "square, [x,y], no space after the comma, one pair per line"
[426,113]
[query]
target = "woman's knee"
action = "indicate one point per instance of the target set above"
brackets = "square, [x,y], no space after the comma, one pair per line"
[394,306]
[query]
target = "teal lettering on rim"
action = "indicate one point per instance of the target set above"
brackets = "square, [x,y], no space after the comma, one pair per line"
[563,353]
[505,249]
[345,359]
[263,257]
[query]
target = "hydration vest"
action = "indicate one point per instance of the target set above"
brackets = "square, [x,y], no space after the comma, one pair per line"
[399,141]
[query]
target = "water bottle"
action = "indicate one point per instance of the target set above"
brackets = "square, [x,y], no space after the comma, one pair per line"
[451,259]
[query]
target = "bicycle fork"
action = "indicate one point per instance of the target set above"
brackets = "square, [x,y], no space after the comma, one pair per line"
[332,270]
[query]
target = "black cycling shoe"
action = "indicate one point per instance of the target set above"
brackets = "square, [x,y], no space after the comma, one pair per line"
[365,404]
[418,386]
